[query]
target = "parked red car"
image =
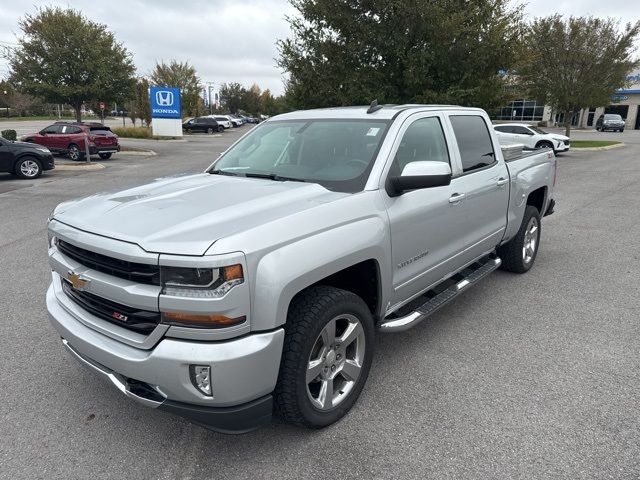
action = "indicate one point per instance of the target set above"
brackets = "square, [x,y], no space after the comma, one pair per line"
[69,138]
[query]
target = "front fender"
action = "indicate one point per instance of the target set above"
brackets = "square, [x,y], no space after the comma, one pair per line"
[284,272]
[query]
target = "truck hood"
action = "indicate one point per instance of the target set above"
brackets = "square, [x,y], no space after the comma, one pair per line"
[186,215]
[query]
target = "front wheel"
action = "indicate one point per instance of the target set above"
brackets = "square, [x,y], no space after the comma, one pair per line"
[28,168]
[327,354]
[74,153]
[209,130]
[105,155]
[220,129]
[519,253]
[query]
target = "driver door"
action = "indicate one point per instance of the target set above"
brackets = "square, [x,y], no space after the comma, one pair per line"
[427,225]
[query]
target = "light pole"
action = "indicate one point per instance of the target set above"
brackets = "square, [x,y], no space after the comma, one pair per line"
[6,101]
[209,87]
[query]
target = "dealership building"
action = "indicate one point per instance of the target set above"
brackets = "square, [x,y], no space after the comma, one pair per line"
[623,102]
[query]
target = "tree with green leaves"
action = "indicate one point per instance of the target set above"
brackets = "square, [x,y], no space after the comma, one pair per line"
[232,96]
[63,57]
[447,51]
[576,63]
[142,104]
[181,75]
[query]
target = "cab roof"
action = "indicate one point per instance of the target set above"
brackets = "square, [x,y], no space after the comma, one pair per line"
[387,112]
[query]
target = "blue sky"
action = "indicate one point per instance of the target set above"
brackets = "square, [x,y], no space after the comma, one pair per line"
[229,40]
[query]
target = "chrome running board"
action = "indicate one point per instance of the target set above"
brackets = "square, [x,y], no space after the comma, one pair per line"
[474,273]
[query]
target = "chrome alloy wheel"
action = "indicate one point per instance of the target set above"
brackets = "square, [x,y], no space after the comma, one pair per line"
[335,362]
[530,240]
[29,168]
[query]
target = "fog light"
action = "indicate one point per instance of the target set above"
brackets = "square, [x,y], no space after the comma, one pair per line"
[201,378]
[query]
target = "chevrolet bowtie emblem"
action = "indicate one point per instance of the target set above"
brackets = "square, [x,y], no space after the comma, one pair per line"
[77,281]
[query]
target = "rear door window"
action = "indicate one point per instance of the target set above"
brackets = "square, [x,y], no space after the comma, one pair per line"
[474,142]
[71,130]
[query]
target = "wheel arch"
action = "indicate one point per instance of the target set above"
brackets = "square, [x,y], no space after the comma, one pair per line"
[538,198]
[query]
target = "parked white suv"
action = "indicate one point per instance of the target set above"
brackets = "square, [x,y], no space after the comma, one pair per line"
[222,120]
[530,137]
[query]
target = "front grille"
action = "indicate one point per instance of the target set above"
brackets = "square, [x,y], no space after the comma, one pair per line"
[141,321]
[136,272]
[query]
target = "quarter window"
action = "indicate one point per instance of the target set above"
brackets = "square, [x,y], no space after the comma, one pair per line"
[474,142]
[423,141]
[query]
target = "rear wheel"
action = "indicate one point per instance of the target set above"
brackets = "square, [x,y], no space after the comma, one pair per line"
[105,155]
[209,130]
[520,252]
[28,168]
[74,152]
[326,357]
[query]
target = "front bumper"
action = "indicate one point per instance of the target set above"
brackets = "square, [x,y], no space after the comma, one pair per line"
[48,163]
[243,371]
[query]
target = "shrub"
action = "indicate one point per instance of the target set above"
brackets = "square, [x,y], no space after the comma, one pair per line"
[132,132]
[9,134]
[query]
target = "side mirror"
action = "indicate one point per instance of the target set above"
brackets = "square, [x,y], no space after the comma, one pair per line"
[418,175]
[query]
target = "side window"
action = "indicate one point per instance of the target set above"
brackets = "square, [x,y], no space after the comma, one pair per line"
[521,131]
[423,140]
[53,129]
[502,129]
[72,130]
[474,141]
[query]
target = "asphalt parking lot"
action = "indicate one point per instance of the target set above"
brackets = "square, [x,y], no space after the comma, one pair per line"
[524,376]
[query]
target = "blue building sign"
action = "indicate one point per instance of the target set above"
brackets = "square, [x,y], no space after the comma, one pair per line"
[165,102]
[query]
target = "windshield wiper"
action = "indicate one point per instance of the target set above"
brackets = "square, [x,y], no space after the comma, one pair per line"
[224,172]
[273,176]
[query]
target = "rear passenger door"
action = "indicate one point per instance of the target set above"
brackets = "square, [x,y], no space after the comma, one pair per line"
[485,183]
[427,225]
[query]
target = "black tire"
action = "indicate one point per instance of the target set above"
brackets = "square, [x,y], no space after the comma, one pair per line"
[621,130]
[28,168]
[545,145]
[74,153]
[105,155]
[209,130]
[512,252]
[309,313]
[220,129]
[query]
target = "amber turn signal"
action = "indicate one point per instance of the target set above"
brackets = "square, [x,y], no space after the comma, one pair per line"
[200,321]
[232,272]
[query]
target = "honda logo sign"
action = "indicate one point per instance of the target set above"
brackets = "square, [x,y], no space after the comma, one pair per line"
[165,102]
[164,98]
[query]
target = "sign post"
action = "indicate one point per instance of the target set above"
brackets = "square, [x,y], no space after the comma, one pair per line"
[166,111]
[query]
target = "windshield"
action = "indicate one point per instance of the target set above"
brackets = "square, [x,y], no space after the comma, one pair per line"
[337,154]
[538,130]
[613,117]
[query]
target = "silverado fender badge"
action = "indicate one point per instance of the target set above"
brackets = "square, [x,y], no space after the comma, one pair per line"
[77,281]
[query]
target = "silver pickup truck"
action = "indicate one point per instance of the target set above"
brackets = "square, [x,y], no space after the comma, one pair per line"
[258,285]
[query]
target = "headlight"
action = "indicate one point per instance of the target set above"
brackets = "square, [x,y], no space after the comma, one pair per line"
[43,150]
[200,282]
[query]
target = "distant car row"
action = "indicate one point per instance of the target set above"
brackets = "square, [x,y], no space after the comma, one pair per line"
[215,123]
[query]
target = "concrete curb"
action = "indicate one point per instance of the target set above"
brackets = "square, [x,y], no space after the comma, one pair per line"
[597,149]
[80,166]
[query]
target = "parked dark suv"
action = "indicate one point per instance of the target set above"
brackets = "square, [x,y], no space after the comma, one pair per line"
[610,121]
[24,160]
[69,138]
[202,124]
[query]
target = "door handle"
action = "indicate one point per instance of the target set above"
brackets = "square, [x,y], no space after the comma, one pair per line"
[456,197]
[501,181]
